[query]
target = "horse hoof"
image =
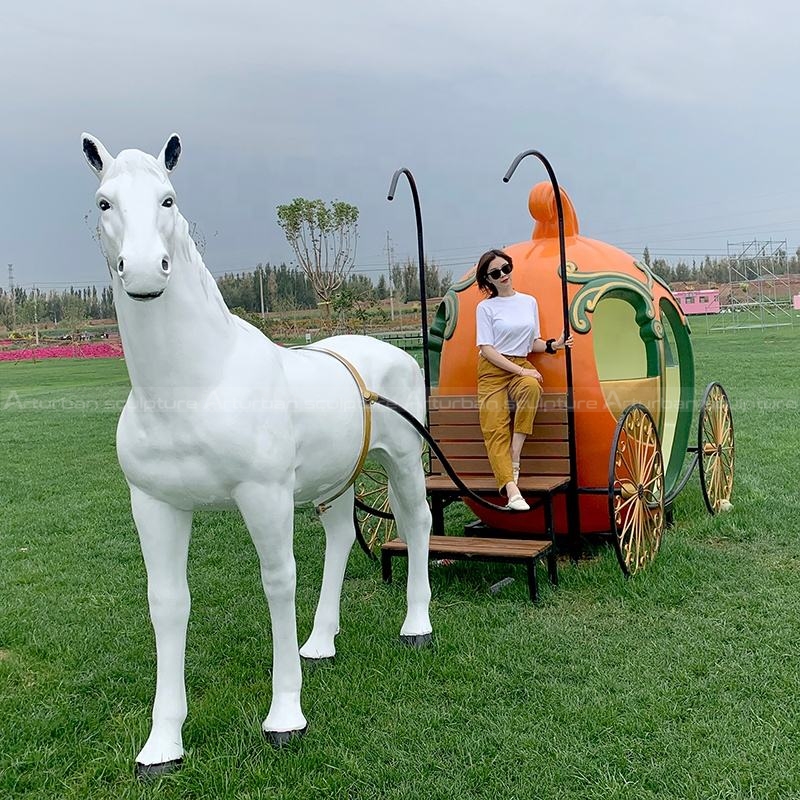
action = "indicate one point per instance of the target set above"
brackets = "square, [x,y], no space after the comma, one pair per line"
[418,640]
[280,739]
[149,772]
[317,662]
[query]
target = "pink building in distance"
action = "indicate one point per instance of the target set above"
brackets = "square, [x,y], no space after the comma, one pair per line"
[699,301]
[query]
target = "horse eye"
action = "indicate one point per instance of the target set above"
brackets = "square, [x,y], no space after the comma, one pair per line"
[168,203]
[103,205]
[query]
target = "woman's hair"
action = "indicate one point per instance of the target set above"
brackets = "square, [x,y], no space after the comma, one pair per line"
[482,270]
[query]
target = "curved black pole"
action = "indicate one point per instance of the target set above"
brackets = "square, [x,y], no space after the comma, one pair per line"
[464,490]
[423,298]
[362,542]
[572,497]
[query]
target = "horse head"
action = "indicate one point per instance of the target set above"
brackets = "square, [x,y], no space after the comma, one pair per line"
[138,215]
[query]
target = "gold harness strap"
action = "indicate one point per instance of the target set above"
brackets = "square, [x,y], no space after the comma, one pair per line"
[367,398]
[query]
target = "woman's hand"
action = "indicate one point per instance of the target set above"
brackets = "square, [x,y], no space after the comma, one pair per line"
[561,342]
[531,372]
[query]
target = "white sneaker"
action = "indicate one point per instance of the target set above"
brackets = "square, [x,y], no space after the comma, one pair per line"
[517,503]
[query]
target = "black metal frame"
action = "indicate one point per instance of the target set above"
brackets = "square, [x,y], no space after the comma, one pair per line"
[441,498]
[681,484]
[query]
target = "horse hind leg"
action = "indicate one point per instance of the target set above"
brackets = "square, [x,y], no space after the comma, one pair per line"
[413,518]
[340,533]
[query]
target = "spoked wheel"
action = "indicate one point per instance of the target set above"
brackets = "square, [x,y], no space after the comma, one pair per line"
[373,515]
[715,449]
[636,489]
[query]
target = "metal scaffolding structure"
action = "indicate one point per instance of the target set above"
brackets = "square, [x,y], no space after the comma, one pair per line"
[759,293]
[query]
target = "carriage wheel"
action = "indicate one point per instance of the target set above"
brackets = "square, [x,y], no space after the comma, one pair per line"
[636,489]
[715,448]
[372,491]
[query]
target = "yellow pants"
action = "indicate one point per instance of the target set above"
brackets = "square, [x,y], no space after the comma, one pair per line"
[496,387]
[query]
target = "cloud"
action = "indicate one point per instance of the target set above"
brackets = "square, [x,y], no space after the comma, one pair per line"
[328,98]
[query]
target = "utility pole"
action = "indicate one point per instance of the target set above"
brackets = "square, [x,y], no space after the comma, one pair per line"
[12,292]
[390,257]
[261,287]
[36,313]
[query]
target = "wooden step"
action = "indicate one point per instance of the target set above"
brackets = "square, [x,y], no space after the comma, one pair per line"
[475,547]
[514,551]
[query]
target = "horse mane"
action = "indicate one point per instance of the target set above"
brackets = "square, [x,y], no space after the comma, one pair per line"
[186,250]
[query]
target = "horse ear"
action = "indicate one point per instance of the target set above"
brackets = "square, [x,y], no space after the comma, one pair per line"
[171,153]
[98,158]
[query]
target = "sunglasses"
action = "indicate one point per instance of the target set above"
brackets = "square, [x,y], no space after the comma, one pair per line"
[494,274]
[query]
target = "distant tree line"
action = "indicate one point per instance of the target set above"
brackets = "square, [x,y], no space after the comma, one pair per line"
[284,288]
[28,306]
[287,288]
[405,279]
[716,271]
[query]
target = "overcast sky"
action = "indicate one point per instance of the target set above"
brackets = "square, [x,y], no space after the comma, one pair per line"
[672,124]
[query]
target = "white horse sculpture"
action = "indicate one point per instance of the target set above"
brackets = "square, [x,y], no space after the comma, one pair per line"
[219,416]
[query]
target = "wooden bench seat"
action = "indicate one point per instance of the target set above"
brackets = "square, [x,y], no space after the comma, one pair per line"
[514,551]
[545,471]
[454,424]
[528,484]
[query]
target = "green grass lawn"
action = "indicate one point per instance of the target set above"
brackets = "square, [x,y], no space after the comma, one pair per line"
[679,683]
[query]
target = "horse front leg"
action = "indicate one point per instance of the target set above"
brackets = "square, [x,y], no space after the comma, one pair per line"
[164,533]
[268,512]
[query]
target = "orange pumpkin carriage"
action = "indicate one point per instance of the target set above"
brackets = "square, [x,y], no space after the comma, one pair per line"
[628,385]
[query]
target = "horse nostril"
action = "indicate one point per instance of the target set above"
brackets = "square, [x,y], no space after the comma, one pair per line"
[165,265]
[120,266]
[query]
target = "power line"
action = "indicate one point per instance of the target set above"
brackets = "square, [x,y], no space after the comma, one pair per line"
[370,267]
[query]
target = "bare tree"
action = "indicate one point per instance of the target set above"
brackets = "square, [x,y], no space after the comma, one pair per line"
[198,237]
[324,239]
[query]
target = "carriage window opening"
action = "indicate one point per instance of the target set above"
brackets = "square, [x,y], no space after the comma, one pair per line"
[626,357]
[670,348]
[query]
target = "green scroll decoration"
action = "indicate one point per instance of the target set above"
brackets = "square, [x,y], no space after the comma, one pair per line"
[615,284]
[444,323]
[650,275]
[599,284]
[654,276]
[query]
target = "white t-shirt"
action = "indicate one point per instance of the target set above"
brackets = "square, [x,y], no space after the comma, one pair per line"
[509,324]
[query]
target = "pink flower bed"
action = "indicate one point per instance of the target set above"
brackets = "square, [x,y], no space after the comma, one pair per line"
[86,350]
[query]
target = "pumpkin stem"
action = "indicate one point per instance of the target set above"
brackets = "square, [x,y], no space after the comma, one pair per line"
[542,205]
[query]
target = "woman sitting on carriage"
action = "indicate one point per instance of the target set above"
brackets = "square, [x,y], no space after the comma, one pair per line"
[507,331]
